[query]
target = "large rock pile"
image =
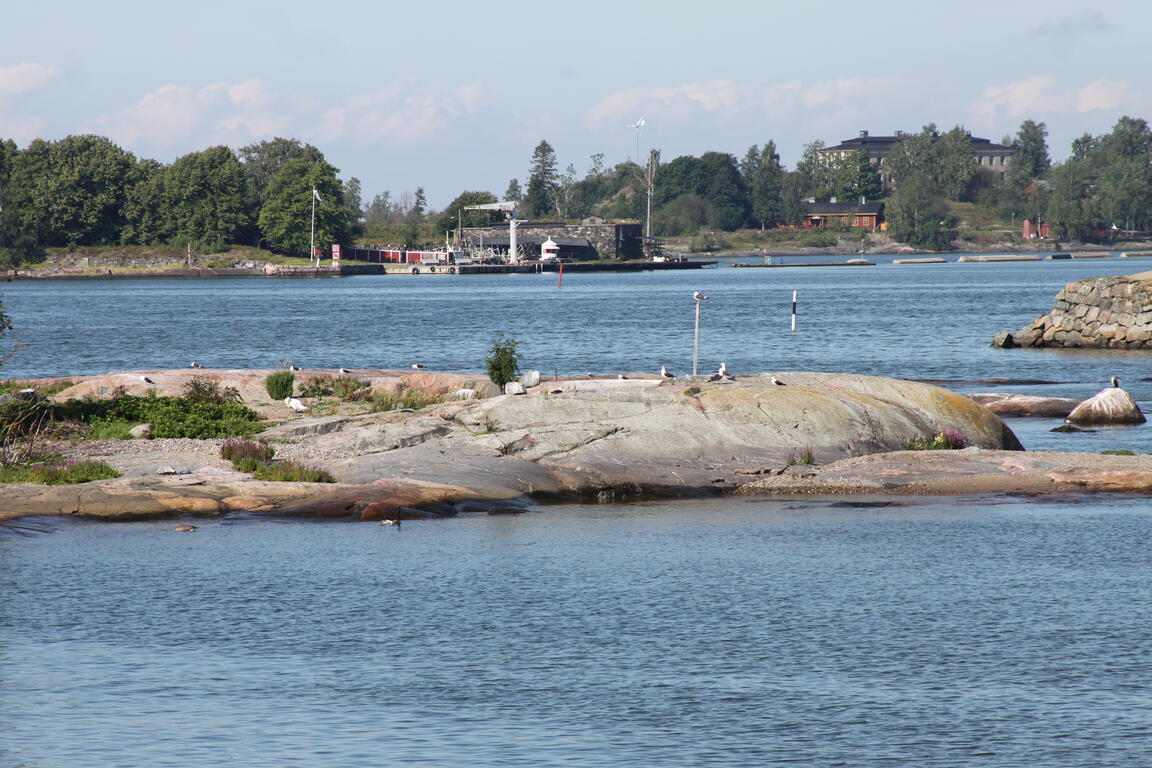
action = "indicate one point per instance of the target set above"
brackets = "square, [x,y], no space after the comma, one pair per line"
[1112,312]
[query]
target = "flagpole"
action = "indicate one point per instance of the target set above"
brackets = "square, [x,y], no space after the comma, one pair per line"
[312,240]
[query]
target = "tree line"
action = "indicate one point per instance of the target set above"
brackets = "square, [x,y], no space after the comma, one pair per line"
[86,190]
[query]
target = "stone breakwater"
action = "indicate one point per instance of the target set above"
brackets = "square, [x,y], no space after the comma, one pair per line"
[1102,312]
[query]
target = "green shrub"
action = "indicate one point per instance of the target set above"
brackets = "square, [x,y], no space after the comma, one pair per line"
[291,471]
[167,416]
[279,384]
[246,464]
[231,450]
[1118,452]
[503,361]
[110,429]
[314,388]
[202,390]
[57,472]
[388,400]
[344,388]
[819,240]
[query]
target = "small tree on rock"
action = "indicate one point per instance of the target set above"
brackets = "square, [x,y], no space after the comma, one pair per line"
[503,360]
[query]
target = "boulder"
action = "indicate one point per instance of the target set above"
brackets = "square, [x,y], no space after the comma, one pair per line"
[530,379]
[1111,406]
[514,388]
[1008,404]
[1003,340]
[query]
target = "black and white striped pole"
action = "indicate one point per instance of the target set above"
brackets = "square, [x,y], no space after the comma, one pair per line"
[793,311]
[698,298]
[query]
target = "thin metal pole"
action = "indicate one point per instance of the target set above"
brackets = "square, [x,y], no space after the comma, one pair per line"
[312,240]
[696,339]
[793,311]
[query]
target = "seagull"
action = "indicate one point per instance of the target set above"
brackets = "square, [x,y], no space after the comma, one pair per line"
[295,368]
[698,296]
[724,371]
[664,373]
[1116,381]
[590,375]
[195,364]
[390,521]
[345,370]
[621,376]
[777,381]
[295,404]
[417,366]
[555,391]
[146,380]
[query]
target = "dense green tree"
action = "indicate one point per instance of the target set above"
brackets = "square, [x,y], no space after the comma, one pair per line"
[380,212]
[543,181]
[954,164]
[914,155]
[147,216]
[209,199]
[264,159]
[1070,211]
[513,194]
[285,217]
[686,214]
[814,173]
[1030,160]
[455,215]
[916,213]
[1130,139]
[792,201]
[856,178]
[724,189]
[763,177]
[71,192]
[354,203]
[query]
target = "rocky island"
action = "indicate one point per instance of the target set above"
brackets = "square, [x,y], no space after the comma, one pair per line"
[571,439]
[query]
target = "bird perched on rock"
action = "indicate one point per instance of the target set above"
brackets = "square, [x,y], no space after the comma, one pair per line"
[195,364]
[345,371]
[777,381]
[555,391]
[146,380]
[390,521]
[698,296]
[664,373]
[418,366]
[621,376]
[724,371]
[1116,381]
[295,368]
[295,404]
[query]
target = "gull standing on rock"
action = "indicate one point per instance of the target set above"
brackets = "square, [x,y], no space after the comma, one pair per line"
[777,381]
[417,366]
[1116,381]
[664,373]
[295,404]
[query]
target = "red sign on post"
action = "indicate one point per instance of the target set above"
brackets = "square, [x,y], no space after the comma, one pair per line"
[335,251]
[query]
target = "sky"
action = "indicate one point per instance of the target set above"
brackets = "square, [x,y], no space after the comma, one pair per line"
[453,96]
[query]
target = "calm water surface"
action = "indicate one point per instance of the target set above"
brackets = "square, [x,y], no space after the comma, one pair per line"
[976,632]
[740,633]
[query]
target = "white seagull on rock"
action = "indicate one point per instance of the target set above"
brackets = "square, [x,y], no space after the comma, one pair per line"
[417,366]
[664,373]
[295,404]
[777,381]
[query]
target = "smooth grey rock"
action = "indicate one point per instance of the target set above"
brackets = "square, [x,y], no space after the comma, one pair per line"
[530,379]
[514,388]
[1110,406]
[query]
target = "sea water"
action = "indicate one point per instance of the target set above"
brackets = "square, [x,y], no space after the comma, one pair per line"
[986,631]
[743,632]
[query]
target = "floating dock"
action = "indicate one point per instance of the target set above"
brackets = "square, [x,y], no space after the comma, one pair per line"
[537,267]
[851,263]
[994,257]
[922,260]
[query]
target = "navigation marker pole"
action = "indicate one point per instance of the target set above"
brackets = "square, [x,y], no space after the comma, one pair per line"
[312,243]
[793,311]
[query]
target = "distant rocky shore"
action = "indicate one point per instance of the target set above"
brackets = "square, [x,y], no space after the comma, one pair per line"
[605,439]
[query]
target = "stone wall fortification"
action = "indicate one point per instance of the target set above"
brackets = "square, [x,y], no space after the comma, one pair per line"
[1103,312]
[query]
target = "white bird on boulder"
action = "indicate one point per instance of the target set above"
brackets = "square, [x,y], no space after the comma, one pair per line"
[777,381]
[418,366]
[344,371]
[724,371]
[295,368]
[1116,381]
[195,364]
[664,373]
[146,380]
[295,404]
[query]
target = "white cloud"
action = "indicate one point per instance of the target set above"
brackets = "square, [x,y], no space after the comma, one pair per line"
[26,76]
[175,115]
[405,112]
[1041,98]
[823,105]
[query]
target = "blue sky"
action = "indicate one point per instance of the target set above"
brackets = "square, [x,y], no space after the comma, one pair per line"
[454,96]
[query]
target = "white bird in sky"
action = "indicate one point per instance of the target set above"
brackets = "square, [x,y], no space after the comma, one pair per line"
[698,296]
